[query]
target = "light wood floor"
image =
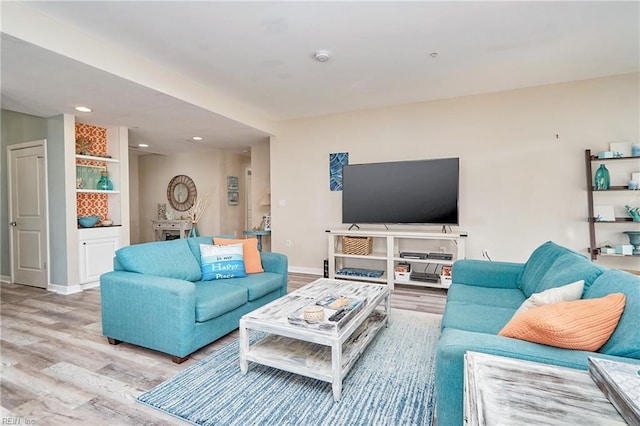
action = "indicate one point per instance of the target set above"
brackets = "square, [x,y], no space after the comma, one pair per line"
[58,369]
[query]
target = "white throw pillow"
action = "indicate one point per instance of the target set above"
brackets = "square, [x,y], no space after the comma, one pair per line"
[566,293]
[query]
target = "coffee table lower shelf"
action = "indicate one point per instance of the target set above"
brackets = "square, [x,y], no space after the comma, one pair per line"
[329,361]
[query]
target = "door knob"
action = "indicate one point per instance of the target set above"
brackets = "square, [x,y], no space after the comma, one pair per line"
[13,223]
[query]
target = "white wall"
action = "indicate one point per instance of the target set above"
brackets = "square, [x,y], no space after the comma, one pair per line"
[520,184]
[134,198]
[209,172]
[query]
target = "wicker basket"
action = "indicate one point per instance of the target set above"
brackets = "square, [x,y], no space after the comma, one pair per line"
[357,245]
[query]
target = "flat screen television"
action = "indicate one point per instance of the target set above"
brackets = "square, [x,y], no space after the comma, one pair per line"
[402,192]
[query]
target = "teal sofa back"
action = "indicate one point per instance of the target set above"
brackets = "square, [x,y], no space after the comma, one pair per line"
[551,265]
[169,259]
[625,340]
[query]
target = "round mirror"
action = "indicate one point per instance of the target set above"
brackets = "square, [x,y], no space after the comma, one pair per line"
[181,193]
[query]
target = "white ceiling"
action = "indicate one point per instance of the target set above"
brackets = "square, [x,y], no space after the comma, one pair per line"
[229,71]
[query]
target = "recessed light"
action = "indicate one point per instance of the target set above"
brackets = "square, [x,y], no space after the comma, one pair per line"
[83,109]
[197,138]
[143,145]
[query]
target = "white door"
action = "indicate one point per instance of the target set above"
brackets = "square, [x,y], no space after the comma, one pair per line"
[28,213]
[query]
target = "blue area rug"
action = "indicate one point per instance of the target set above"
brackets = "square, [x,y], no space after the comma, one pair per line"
[391,384]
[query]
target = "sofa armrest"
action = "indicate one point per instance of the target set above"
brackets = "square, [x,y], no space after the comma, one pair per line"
[147,310]
[486,274]
[277,263]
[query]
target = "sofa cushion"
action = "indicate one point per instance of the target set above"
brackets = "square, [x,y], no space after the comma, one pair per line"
[502,297]
[565,293]
[625,340]
[474,317]
[580,324]
[170,259]
[221,262]
[551,265]
[537,266]
[252,263]
[217,298]
[258,285]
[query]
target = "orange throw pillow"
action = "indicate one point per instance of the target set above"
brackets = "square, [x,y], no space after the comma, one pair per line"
[252,262]
[584,324]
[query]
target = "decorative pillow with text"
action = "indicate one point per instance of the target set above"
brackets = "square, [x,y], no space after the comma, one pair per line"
[221,262]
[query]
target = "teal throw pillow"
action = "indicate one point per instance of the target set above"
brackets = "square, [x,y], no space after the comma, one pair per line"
[220,262]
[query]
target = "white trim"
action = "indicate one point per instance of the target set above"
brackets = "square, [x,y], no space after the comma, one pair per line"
[87,286]
[303,270]
[64,289]
[5,279]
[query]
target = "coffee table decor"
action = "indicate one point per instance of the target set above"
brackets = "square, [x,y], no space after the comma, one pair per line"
[325,350]
[335,312]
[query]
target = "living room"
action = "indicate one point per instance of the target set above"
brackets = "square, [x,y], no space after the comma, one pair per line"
[521,150]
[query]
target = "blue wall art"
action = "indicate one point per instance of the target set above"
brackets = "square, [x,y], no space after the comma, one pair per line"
[336,161]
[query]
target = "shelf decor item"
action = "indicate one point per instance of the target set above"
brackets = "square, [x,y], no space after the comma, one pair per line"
[88,221]
[602,179]
[357,245]
[634,212]
[634,240]
[104,183]
[195,214]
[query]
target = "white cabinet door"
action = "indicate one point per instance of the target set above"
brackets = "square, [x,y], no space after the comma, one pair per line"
[96,257]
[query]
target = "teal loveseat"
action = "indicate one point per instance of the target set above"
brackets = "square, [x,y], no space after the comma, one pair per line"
[154,297]
[484,296]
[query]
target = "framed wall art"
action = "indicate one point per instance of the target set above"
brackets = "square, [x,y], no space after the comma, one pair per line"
[232,183]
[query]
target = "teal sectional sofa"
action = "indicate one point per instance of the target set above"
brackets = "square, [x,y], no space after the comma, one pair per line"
[484,296]
[154,297]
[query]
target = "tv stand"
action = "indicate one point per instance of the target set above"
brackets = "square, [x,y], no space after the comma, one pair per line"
[354,225]
[385,255]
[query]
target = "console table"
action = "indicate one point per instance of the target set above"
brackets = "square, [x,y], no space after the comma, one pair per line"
[258,235]
[162,228]
[508,391]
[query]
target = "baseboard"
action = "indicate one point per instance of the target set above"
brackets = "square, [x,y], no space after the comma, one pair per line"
[87,286]
[64,289]
[5,279]
[310,271]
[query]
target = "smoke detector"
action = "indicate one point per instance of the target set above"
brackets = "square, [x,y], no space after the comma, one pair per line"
[321,56]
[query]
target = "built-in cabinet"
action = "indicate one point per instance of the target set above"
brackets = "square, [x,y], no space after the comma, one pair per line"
[609,232]
[95,252]
[387,249]
[96,246]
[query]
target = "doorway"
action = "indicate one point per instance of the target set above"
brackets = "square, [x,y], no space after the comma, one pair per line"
[28,232]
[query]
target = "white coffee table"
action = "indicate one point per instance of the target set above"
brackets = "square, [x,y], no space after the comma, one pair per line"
[321,354]
[508,391]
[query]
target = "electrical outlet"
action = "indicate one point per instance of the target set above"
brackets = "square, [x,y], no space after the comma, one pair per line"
[287,243]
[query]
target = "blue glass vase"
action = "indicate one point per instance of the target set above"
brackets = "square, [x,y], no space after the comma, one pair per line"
[194,231]
[601,181]
[104,183]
